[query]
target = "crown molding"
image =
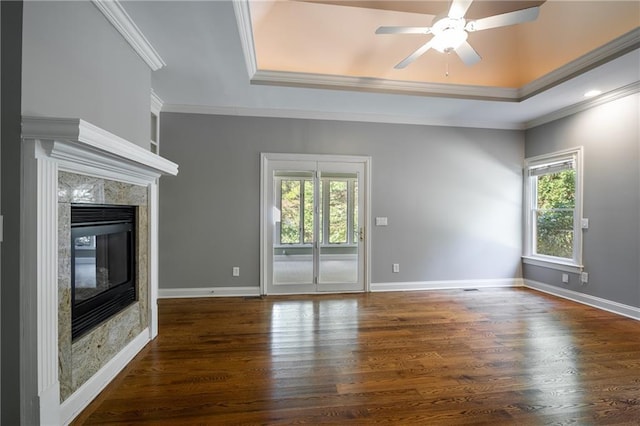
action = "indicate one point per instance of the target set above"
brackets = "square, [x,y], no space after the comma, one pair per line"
[608,52]
[584,105]
[333,116]
[368,84]
[121,21]
[245,30]
[156,103]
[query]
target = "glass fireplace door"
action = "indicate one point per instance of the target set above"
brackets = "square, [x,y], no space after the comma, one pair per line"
[103,278]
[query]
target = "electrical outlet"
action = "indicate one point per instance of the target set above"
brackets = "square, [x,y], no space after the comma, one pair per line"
[236,271]
[396,267]
[565,278]
[584,277]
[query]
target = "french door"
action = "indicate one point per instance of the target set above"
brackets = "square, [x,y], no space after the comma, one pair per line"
[313,224]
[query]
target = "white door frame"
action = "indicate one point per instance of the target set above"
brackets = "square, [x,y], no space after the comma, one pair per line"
[266,181]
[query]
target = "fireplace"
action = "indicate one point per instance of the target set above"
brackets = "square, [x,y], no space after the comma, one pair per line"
[103,270]
[68,162]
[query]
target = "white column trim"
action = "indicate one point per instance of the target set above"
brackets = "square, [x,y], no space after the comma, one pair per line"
[153,259]
[39,285]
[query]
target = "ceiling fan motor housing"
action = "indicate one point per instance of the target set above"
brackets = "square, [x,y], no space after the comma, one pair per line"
[448,33]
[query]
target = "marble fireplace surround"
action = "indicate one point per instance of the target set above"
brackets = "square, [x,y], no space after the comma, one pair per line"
[75,149]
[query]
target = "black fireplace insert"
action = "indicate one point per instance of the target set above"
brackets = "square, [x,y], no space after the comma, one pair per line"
[103,272]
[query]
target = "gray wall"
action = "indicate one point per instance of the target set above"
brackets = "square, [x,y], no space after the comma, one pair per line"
[11,29]
[610,134]
[76,65]
[453,196]
[60,59]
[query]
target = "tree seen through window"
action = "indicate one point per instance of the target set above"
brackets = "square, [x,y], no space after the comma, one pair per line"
[555,213]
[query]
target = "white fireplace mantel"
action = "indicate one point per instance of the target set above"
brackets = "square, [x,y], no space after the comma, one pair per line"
[50,145]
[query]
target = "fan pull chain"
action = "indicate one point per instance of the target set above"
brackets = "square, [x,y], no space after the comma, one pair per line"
[446,70]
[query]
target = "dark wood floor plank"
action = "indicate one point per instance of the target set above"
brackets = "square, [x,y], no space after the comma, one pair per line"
[493,356]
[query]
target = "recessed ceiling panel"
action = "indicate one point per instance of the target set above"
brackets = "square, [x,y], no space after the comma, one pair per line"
[337,38]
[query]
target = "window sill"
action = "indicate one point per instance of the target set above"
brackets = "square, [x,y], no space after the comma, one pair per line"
[553,264]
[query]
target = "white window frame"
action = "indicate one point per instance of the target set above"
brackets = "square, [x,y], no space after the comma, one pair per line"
[351,228]
[530,192]
[301,180]
[154,139]
[352,232]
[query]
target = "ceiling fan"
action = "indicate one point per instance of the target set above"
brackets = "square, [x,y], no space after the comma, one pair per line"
[450,31]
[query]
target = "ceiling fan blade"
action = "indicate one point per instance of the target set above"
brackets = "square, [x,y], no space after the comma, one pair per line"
[415,55]
[510,18]
[459,8]
[403,30]
[468,54]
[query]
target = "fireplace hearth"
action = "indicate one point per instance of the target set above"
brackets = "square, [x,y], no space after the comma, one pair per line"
[103,272]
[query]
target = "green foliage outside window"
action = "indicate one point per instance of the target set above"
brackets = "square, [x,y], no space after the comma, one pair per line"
[337,212]
[308,212]
[297,211]
[554,216]
[290,212]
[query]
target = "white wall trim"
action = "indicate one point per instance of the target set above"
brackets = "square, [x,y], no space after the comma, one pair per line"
[156,103]
[78,400]
[173,293]
[558,266]
[335,116]
[447,284]
[586,104]
[599,56]
[585,299]
[245,30]
[378,85]
[122,22]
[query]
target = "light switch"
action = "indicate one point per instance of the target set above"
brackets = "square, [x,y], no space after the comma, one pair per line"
[585,223]
[381,221]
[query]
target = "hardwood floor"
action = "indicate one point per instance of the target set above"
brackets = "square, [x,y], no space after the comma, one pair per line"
[493,356]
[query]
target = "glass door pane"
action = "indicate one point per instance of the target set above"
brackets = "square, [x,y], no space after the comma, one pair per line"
[293,239]
[339,222]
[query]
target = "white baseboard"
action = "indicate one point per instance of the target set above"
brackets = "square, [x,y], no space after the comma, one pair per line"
[445,285]
[86,393]
[170,293]
[596,302]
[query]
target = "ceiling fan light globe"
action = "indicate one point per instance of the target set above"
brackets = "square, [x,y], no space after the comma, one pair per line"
[449,39]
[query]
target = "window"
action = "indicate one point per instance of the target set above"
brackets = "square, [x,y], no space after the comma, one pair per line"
[340,202]
[156,107]
[338,209]
[553,190]
[296,207]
